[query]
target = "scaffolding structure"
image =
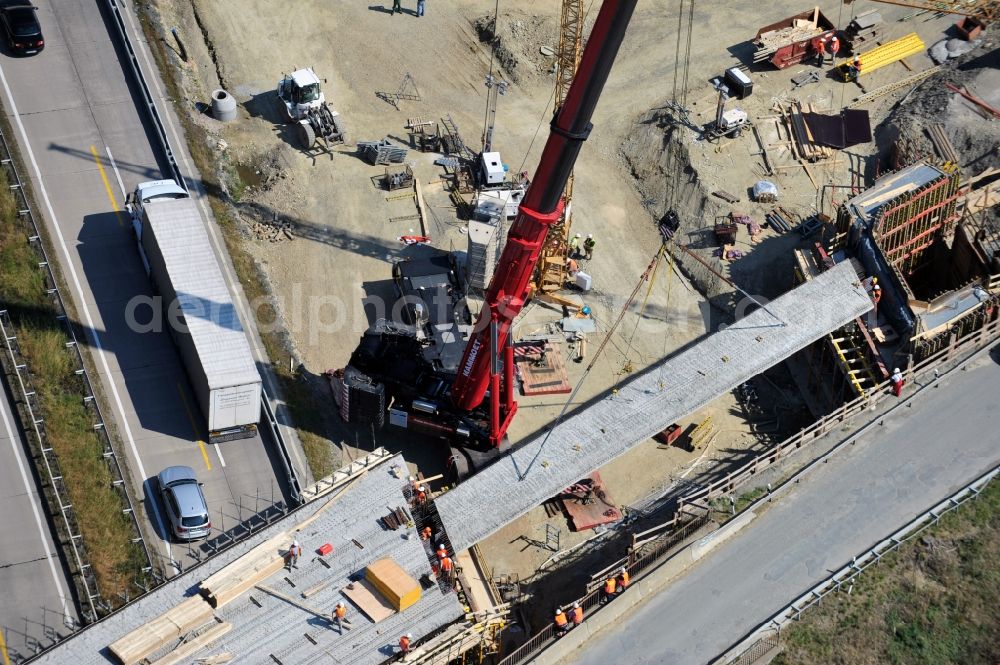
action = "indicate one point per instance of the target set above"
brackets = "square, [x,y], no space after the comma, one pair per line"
[467,642]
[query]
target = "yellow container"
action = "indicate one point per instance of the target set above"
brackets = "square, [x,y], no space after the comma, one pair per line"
[393,583]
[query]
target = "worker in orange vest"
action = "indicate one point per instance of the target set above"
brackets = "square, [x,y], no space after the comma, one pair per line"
[422,495]
[448,569]
[834,48]
[404,644]
[294,552]
[560,622]
[820,53]
[609,589]
[340,616]
[425,533]
[854,70]
[442,552]
[623,579]
[576,615]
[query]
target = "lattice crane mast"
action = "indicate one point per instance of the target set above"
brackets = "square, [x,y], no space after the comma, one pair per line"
[550,274]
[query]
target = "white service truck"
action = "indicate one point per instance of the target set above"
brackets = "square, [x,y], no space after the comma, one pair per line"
[198,308]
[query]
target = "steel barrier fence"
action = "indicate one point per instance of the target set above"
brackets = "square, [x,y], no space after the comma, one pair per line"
[58,504]
[651,547]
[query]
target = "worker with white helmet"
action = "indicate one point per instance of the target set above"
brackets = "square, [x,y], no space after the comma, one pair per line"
[560,622]
[294,552]
[421,496]
[404,644]
[623,579]
[577,614]
[340,616]
[897,382]
[574,246]
[588,246]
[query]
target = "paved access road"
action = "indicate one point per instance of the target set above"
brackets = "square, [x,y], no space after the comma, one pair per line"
[86,141]
[924,454]
[30,568]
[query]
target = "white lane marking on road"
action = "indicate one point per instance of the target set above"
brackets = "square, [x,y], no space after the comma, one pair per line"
[218,451]
[206,214]
[118,175]
[32,496]
[82,304]
[217,244]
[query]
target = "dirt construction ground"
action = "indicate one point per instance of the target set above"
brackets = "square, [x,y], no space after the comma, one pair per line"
[344,244]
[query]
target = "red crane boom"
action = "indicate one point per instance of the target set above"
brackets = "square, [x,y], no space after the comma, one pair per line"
[480,369]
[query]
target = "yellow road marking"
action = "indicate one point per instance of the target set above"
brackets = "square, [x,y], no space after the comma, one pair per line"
[3,649]
[204,454]
[107,187]
[194,427]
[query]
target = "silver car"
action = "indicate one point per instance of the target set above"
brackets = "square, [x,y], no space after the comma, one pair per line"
[185,504]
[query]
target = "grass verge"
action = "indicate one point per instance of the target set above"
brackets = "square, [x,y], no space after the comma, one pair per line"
[69,426]
[933,601]
[306,407]
[722,508]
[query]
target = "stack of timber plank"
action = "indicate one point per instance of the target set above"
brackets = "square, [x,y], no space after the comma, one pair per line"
[249,570]
[803,145]
[161,631]
[398,588]
[183,653]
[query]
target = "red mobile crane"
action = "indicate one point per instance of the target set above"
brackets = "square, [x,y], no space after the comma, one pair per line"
[431,392]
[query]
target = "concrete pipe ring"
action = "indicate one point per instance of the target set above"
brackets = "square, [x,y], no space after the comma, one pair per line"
[223,106]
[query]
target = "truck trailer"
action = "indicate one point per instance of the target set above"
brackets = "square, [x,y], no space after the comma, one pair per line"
[198,308]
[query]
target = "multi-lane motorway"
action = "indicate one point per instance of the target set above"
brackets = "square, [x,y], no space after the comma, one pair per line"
[31,571]
[86,140]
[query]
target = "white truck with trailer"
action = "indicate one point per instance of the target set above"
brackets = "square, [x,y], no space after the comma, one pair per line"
[198,308]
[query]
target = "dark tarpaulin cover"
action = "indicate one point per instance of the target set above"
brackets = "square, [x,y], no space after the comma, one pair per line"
[857,127]
[849,128]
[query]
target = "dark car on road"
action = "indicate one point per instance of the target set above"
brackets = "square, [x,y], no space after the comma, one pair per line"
[24,32]
[187,511]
